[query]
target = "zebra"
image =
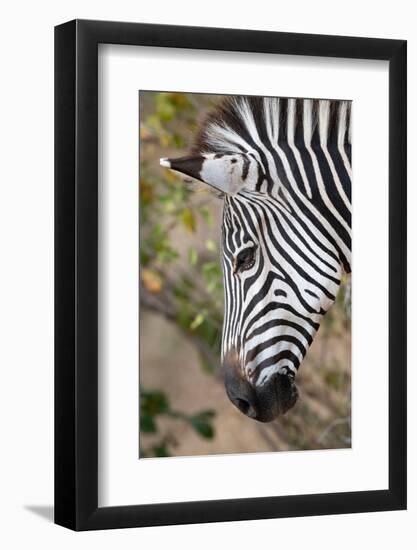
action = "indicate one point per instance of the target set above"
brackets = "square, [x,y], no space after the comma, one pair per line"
[283,169]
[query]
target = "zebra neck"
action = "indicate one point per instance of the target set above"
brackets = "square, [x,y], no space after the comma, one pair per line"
[317,191]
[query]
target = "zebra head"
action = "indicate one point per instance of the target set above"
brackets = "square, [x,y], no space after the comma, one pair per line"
[282,264]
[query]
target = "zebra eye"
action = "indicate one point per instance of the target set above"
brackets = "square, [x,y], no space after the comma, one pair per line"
[245,259]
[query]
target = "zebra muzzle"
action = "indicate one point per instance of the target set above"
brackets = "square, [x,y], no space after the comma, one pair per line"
[287,390]
[263,403]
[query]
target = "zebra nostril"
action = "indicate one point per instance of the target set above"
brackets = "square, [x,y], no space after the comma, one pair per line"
[239,390]
[244,406]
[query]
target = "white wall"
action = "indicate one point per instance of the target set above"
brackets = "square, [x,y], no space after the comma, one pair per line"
[26,295]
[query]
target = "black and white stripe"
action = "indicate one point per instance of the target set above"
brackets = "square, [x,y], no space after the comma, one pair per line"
[284,167]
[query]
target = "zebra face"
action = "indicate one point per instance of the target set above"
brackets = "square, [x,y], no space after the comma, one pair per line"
[278,286]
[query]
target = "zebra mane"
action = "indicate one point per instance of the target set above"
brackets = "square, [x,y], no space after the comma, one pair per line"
[239,120]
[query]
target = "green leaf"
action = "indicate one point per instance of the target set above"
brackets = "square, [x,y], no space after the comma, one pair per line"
[167,255]
[161,450]
[201,423]
[211,272]
[154,123]
[211,286]
[164,107]
[153,402]
[211,245]
[183,318]
[209,268]
[202,427]
[147,424]
[192,256]
[206,215]
[188,219]
[177,141]
[169,205]
[144,257]
[197,321]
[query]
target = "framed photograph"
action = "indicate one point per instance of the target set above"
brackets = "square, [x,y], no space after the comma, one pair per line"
[230,248]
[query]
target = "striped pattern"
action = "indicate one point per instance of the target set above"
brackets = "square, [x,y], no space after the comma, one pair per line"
[296,217]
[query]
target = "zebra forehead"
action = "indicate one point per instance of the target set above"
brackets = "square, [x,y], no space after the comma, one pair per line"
[238,215]
[235,235]
[246,206]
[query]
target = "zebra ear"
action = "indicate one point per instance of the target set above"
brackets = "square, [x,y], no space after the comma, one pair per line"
[227,173]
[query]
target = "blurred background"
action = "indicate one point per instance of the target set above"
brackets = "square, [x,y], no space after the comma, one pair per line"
[184,409]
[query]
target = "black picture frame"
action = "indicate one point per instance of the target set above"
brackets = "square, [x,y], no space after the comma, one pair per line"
[76,272]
